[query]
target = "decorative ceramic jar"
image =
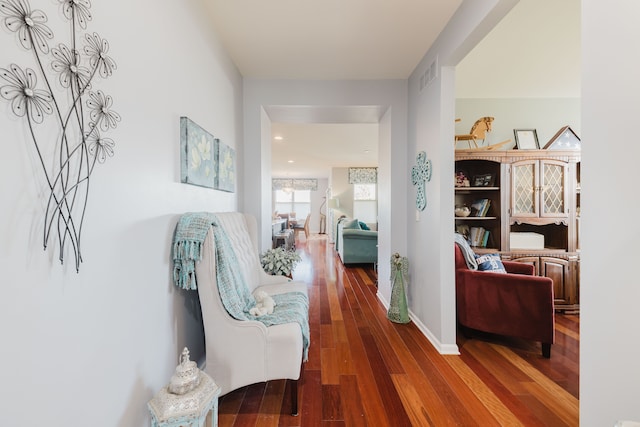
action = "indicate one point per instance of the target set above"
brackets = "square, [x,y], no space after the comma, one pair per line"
[462,211]
[188,398]
[186,377]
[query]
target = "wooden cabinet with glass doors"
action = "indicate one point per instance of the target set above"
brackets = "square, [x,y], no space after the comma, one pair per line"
[538,217]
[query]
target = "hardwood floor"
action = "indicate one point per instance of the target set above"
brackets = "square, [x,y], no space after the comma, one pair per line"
[364,370]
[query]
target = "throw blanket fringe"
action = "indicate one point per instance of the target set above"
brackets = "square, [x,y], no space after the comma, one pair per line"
[467,252]
[190,233]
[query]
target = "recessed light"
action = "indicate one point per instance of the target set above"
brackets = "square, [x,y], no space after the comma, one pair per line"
[278,138]
[289,161]
[367,151]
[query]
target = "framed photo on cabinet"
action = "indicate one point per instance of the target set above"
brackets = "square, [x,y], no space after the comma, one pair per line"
[486,180]
[526,139]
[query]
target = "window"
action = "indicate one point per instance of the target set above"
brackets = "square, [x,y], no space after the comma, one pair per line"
[365,203]
[298,201]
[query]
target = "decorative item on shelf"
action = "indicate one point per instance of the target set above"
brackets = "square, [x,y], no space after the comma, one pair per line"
[398,310]
[188,398]
[74,116]
[462,210]
[420,173]
[484,180]
[462,180]
[526,139]
[479,237]
[186,377]
[480,207]
[478,132]
[279,261]
[564,139]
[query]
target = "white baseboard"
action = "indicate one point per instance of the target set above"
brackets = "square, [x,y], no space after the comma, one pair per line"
[440,347]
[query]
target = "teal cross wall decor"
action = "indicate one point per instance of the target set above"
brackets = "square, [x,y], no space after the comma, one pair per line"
[420,173]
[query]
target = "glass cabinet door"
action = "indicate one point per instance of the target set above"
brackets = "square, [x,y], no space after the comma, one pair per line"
[554,188]
[539,189]
[524,194]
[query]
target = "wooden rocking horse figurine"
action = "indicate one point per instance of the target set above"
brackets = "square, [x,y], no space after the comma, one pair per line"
[478,132]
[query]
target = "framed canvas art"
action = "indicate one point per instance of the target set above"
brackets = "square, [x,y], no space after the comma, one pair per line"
[197,150]
[225,161]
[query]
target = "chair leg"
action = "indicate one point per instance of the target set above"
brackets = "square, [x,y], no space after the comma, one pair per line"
[546,350]
[294,391]
[294,397]
[466,332]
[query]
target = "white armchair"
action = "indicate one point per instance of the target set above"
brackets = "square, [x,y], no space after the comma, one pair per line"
[244,352]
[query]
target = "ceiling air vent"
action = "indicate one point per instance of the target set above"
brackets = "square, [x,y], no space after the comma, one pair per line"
[429,74]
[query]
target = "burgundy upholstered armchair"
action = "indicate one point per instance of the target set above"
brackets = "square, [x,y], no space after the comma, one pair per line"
[516,304]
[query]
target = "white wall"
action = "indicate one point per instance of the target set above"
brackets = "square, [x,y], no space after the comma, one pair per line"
[431,289]
[97,345]
[342,190]
[534,52]
[609,289]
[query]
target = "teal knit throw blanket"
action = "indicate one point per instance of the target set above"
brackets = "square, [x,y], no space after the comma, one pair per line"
[467,252]
[189,236]
[190,233]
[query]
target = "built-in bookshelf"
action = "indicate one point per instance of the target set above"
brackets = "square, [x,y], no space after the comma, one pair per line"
[478,189]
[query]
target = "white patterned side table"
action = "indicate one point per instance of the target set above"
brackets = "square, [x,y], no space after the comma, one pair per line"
[189,409]
[187,400]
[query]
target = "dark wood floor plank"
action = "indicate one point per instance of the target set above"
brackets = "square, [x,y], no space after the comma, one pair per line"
[454,393]
[311,400]
[364,370]
[326,336]
[272,401]
[345,360]
[331,403]
[353,410]
[286,420]
[506,373]
[494,395]
[325,309]
[330,372]
[389,333]
[250,408]
[544,415]
[392,401]
[370,395]
[383,330]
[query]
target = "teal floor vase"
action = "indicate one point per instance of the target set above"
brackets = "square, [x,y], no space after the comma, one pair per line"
[398,311]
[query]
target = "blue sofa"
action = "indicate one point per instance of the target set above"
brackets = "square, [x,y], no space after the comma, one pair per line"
[354,244]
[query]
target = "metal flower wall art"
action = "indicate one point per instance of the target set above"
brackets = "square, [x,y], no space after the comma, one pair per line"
[67,120]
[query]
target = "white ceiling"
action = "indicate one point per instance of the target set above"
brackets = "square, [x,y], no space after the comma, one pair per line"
[533,52]
[329,39]
[317,147]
